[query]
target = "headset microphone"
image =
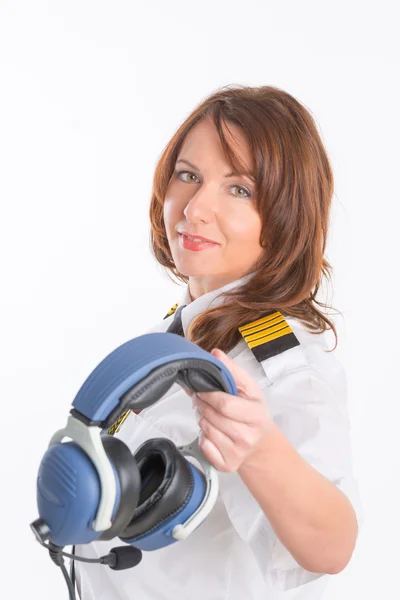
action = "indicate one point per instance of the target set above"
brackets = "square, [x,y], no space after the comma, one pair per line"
[119,558]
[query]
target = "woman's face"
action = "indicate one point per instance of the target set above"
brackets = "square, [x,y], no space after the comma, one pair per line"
[203,200]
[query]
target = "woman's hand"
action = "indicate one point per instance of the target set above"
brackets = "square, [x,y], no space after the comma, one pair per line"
[232,427]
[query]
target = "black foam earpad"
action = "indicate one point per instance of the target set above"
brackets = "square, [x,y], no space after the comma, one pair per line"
[167,483]
[130,483]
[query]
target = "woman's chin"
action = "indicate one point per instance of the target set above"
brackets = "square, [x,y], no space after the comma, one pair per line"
[194,272]
[190,269]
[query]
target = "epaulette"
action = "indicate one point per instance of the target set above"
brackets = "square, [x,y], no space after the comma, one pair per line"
[171,311]
[269,336]
[115,427]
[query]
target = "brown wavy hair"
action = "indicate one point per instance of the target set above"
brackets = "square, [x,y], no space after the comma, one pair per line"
[294,188]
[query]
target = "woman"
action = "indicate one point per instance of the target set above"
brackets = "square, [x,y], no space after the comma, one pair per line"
[239,213]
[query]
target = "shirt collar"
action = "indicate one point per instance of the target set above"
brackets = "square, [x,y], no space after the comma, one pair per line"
[208,300]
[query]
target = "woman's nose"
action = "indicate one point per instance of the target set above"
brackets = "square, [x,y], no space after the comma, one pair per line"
[202,206]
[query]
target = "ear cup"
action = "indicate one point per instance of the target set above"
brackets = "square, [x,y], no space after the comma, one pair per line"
[130,483]
[167,483]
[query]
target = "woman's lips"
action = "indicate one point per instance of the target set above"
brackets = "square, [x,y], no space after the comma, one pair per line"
[187,244]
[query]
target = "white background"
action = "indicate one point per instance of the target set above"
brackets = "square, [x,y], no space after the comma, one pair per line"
[90,93]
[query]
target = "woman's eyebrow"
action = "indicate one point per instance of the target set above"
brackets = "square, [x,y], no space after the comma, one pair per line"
[232,174]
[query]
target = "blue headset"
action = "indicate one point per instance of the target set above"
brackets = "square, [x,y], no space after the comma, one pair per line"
[94,488]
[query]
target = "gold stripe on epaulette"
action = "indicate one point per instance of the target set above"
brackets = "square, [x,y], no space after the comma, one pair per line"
[271,328]
[115,427]
[171,310]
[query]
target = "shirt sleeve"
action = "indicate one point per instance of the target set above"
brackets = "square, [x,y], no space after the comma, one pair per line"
[309,407]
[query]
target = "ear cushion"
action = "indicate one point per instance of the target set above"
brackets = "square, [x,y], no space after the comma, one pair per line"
[130,483]
[167,483]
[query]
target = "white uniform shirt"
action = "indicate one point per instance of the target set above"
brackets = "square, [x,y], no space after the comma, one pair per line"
[235,554]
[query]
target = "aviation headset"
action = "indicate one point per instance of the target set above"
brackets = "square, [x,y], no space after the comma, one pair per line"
[94,488]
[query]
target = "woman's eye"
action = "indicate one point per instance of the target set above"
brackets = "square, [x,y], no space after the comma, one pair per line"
[243,189]
[186,173]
